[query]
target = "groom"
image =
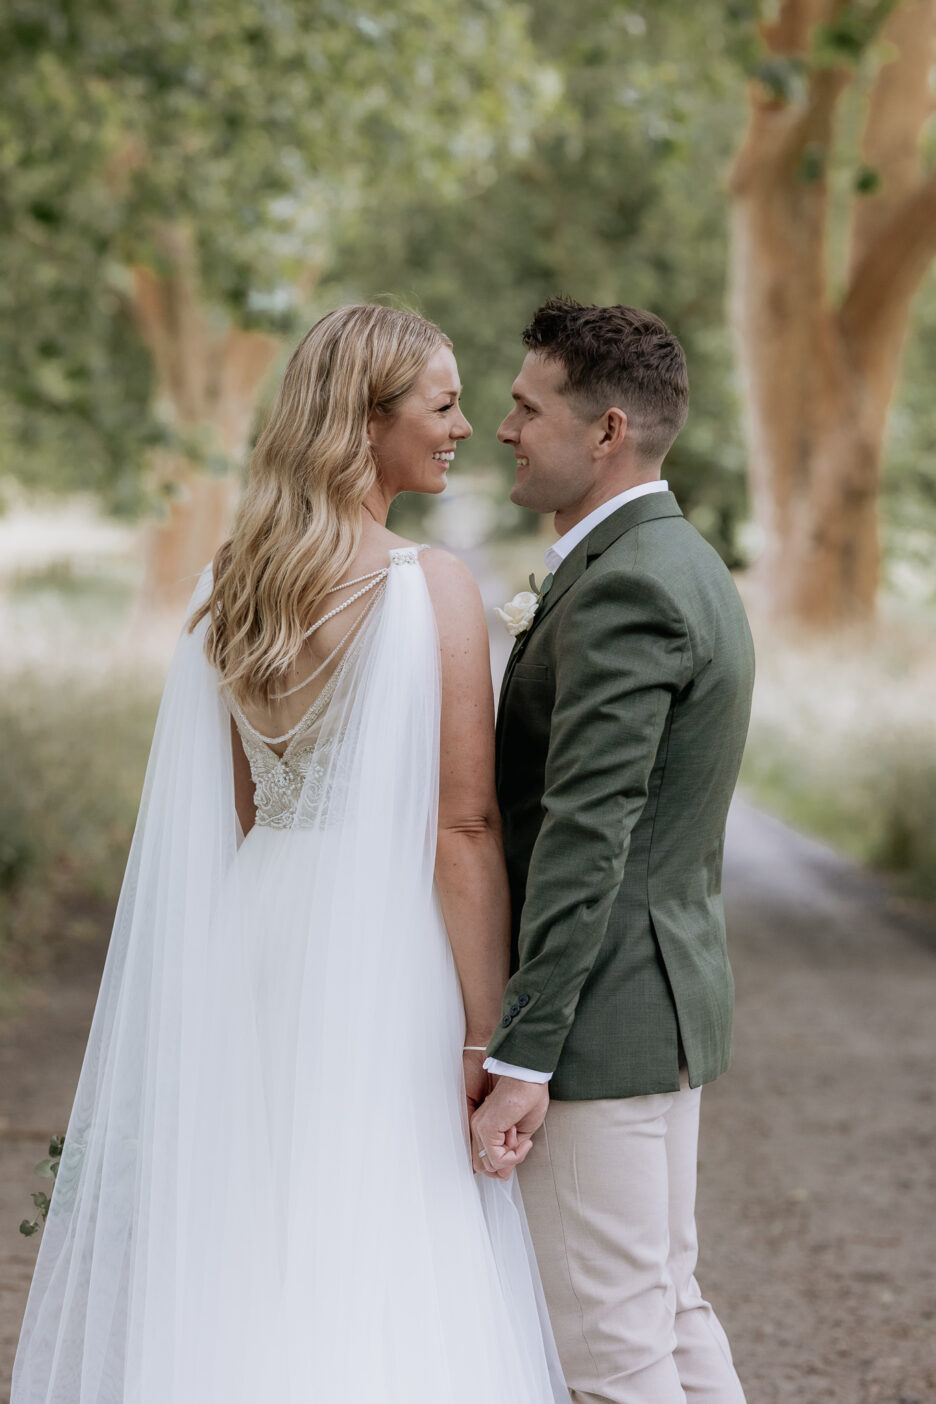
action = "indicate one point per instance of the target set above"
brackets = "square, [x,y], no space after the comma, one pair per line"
[622,719]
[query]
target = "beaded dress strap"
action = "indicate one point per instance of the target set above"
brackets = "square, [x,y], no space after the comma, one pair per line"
[374,579]
[324,696]
[407,555]
[346,584]
[400,555]
[279,696]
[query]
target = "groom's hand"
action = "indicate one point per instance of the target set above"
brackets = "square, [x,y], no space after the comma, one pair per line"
[504,1124]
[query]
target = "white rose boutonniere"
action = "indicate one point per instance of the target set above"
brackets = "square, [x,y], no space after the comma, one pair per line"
[517,614]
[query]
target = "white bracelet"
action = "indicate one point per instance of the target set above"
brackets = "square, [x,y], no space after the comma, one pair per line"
[475,1048]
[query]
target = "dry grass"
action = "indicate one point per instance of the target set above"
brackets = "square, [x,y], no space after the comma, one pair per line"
[72,769]
[78,694]
[843,742]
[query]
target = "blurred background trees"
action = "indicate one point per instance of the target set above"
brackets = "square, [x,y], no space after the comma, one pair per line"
[185,187]
[171,176]
[603,202]
[823,281]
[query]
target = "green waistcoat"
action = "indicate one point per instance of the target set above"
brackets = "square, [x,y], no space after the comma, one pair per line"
[622,720]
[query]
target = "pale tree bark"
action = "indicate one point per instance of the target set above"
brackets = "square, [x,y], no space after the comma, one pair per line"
[819,370]
[209,379]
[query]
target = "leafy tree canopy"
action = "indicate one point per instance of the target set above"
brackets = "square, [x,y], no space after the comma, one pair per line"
[471,158]
[249,125]
[617,198]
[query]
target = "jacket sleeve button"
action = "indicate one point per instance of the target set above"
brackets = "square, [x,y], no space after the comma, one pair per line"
[505,1022]
[523,1001]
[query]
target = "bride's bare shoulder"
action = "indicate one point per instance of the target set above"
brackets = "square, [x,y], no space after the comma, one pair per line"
[446,575]
[455,598]
[452,587]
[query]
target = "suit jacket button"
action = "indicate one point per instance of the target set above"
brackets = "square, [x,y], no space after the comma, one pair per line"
[505,1022]
[523,1001]
[515,1009]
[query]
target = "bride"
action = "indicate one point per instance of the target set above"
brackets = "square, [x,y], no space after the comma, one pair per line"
[267,1189]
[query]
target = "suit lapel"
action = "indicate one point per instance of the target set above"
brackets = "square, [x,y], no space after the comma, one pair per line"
[565,575]
[642,509]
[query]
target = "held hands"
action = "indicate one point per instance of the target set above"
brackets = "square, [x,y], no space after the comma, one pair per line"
[504,1123]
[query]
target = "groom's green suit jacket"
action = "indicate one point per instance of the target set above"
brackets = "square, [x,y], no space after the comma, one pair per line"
[622,720]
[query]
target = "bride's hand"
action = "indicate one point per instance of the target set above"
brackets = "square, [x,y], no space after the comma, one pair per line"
[478,1084]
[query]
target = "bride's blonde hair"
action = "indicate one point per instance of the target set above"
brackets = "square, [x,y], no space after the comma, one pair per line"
[299,522]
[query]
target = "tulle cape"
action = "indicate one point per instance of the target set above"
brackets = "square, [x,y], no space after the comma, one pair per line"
[265,1192]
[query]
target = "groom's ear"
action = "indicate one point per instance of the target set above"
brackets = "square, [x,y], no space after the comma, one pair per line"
[612,432]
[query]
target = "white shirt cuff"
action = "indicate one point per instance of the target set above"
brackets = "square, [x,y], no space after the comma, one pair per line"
[499,1069]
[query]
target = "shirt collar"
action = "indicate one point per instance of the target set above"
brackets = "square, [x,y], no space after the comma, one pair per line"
[557,553]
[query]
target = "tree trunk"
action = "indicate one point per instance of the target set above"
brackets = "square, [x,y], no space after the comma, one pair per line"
[819,375]
[209,380]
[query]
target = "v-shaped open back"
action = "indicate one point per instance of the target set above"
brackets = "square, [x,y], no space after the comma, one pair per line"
[283,766]
[336,658]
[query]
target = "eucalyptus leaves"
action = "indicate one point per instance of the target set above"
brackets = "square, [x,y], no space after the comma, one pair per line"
[48,1169]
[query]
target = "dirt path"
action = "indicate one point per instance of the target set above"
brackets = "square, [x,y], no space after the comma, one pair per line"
[818,1162]
[818,1177]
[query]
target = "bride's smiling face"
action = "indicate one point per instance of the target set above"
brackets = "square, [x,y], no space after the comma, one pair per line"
[415,446]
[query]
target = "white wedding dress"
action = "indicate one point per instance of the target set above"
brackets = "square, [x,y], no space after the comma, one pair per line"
[266,1192]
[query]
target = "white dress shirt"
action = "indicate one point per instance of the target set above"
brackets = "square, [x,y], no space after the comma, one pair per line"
[555,555]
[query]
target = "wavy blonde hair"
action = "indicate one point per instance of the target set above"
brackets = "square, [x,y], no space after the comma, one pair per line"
[298,526]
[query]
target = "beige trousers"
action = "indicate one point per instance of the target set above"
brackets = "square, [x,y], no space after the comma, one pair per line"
[609,1190]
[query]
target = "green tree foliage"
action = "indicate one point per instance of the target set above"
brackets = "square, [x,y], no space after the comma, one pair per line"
[470,158]
[616,197]
[249,125]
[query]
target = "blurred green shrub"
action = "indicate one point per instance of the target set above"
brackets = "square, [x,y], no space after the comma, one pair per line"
[843,745]
[905,837]
[72,758]
[90,599]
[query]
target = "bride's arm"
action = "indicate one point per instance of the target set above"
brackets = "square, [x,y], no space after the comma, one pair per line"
[470,871]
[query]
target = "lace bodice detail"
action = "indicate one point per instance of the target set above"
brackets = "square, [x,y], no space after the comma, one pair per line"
[301,787]
[306,773]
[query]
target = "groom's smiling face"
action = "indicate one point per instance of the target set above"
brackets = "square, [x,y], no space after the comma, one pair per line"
[556,468]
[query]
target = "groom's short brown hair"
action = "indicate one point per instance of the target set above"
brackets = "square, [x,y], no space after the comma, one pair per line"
[617,357]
